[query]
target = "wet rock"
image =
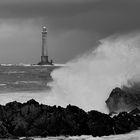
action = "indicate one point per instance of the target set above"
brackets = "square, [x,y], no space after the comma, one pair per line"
[124,122]
[136,111]
[99,124]
[33,119]
[3,131]
[121,101]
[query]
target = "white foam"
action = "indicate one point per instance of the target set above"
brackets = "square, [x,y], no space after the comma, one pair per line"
[61,65]
[23,97]
[2,84]
[135,135]
[33,65]
[13,72]
[27,82]
[88,80]
[7,64]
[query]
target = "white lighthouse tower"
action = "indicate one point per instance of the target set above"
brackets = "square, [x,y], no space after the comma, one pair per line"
[44,56]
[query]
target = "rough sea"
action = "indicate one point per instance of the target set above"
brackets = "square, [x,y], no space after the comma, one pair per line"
[24,82]
[15,78]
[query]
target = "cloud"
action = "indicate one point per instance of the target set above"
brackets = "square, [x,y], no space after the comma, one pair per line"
[39,8]
[83,21]
[105,16]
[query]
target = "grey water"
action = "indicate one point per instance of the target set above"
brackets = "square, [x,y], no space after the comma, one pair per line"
[15,78]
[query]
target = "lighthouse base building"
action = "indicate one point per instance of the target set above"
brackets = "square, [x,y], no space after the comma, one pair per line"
[45,61]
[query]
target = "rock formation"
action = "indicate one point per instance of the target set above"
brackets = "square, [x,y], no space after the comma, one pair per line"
[121,100]
[34,119]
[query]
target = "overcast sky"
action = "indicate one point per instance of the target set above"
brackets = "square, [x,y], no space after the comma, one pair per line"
[74,26]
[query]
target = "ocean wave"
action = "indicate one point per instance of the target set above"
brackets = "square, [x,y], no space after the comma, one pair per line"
[23,96]
[27,82]
[61,65]
[13,72]
[34,65]
[7,64]
[16,64]
[3,84]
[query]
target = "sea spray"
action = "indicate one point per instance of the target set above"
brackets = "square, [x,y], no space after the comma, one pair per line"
[88,80]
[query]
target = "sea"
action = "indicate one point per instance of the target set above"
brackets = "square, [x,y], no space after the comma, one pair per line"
[23,82]
[15,78]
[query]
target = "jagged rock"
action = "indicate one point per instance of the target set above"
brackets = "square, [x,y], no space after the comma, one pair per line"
[79,117]
[136,116]
[32,101]
[121,101]
[33,131]
[3,131]
[124,122]
[99,124]
[136,111]
[20,126]
[34,119]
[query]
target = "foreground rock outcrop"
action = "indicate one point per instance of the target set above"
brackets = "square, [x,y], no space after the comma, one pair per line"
[121,100]
[34,119]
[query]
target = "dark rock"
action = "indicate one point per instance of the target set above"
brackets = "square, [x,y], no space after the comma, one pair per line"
[99,124]
[3,131]
[121,101]
[123,123]
[136,111]
[20,126]
[34,132]
[33,119]
[32,101]
[78,117]
[136,116]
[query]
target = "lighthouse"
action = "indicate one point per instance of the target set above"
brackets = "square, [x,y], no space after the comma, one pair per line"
[44,56]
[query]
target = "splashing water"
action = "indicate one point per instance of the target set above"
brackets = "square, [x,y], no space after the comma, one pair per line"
[88,80]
